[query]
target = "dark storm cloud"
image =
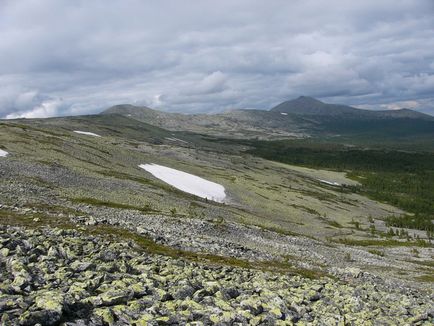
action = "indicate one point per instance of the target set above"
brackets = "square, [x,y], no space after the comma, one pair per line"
[62,57]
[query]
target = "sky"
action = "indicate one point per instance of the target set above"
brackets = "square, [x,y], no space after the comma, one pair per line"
[62,57]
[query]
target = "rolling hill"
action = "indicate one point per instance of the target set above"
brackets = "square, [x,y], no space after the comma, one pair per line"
[304,117]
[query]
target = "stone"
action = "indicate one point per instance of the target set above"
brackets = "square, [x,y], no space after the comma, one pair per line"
[91,221]
[78,266]
[184,292]
[275,313]
[230,293]
[53,252]
[113,297]
[314,296]
[4,252]
[105,314]
[50,300]
[43,317]
[353,272]
[144,320]
[8,302]
[21,282]
[253,305]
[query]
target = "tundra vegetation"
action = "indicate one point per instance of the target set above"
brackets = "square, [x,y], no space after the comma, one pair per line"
[87,237]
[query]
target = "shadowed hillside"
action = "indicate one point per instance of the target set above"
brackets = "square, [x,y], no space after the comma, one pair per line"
[303,117]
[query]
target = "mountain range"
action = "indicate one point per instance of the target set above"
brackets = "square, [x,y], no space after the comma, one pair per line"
[299,118]
[308,106]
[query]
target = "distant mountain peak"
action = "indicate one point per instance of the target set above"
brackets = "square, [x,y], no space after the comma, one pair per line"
[127,107]
[307,99]
[309,106]
[302,105]
[127,110]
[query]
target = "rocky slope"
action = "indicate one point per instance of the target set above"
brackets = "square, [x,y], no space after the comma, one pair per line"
[51,276]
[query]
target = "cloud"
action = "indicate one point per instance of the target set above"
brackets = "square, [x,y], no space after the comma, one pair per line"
[400,105]
[59,57]
[212,83]
[424,106]
[48,108]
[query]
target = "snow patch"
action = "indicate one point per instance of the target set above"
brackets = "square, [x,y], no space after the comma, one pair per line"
[283,113]
[86,133]
[329,182]
[176,139]
[3,153]
[187,182]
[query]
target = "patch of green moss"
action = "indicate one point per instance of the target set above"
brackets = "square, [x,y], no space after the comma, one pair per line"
[426,278]
[33,220]
[376,252]
[306,209]
[96,202]
[429,263]
[383,243]
[334,224]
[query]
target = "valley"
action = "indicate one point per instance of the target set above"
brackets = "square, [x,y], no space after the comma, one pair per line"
[293,205]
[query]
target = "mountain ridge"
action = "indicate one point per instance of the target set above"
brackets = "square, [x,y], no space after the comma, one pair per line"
[305,105]
[299,118]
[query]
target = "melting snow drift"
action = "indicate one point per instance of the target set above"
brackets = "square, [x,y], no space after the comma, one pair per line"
[176,139]
[86,133]
[283,113]
[187,182]
[3,153]
[329,182]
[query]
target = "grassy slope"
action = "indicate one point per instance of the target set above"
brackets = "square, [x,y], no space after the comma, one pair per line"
[261,192]
[400,178]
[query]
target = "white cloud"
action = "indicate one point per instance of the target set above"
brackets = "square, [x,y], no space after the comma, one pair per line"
[424,105]
[401,105]
[48,108]
[212,83]
[212,55]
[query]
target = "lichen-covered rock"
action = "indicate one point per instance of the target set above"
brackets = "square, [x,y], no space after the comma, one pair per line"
[4,252]
[50,300]
[79,266]
[8,302]
[114,297]
[64,276]
[184,292]
[42,317]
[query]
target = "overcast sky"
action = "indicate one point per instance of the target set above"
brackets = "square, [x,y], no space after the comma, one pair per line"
[62,57]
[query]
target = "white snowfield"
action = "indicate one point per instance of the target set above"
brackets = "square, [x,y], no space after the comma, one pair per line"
[187,182]
[86,133]
[329,182]
[283,113]
[3,153]
[176,139]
